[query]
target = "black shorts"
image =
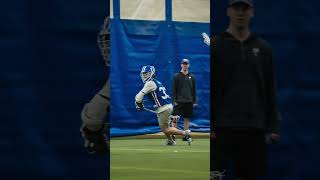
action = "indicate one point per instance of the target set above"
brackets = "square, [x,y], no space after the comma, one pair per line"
[183,109]
[242,149]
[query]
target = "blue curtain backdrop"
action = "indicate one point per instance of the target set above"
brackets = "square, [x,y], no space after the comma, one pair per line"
[163,43]
[293,30]
[50,67]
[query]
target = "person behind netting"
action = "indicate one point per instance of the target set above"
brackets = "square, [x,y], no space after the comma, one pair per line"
[157,95]
[94,129]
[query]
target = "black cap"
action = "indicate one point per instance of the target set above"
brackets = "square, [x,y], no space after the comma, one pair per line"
[184,61]
[248,2]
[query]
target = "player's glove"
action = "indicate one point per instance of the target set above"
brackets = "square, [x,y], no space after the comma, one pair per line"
[139,105]
[96,142]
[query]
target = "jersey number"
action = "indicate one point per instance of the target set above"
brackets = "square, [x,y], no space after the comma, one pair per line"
[163,90]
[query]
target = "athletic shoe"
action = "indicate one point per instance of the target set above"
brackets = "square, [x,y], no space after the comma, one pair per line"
[173,137]
[187,136]
[169,143]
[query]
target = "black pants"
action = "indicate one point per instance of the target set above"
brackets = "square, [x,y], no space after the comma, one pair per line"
[183,109]
[242,148]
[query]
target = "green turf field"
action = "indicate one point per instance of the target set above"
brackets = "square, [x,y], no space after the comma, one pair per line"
[149,159]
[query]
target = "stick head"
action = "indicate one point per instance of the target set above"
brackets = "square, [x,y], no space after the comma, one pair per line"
[206,38]
[103,40]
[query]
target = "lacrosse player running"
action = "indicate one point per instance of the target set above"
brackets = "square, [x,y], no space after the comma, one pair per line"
[156,93]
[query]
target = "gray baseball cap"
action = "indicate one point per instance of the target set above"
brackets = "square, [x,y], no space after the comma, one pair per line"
[248,2]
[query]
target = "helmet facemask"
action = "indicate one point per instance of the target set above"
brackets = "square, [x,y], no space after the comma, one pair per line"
[147,73]
[103,40]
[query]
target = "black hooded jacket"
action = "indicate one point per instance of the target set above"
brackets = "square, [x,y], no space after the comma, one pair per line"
[243,91]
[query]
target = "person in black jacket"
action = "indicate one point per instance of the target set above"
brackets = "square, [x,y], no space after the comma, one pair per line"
[94,128]
[243,99]
[184,94]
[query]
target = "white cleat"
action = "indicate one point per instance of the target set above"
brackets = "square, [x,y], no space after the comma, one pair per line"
[169,143]
[187,137]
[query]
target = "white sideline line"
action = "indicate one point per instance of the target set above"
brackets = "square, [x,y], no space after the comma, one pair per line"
[159,170]
[157,150]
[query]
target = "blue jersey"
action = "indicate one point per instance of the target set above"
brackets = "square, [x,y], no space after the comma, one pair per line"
[157,94]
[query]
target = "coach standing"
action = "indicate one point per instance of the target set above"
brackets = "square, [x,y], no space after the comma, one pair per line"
[243,97]
[184,93]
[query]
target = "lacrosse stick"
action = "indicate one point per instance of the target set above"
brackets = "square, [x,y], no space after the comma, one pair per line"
[206,38]
[150,110]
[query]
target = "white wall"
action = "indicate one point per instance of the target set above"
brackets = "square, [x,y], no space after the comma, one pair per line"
[182,10]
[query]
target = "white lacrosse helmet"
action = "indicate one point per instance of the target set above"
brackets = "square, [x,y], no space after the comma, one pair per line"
[147,73]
